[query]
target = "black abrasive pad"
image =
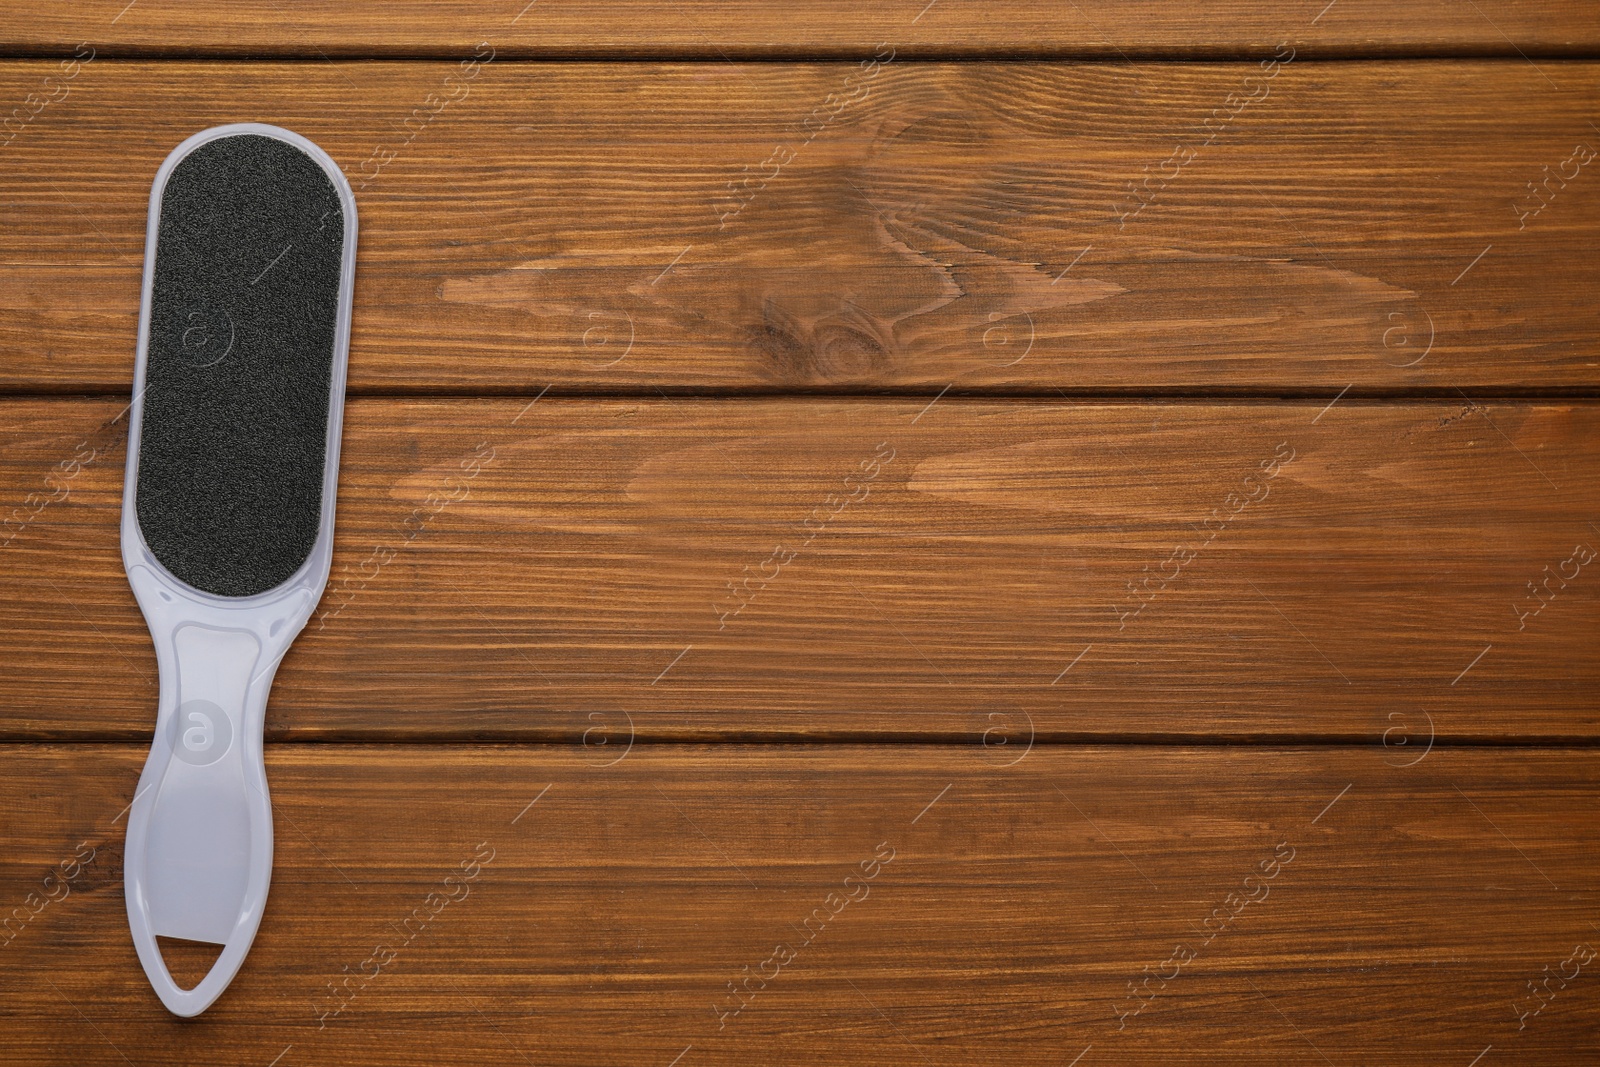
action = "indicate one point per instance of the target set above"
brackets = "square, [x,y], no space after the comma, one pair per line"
[243,314]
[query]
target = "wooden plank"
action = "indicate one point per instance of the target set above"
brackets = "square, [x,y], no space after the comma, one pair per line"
[1399,914]
[624,228]
[873,568]
[815,27]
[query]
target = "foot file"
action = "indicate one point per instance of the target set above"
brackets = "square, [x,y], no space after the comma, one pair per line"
[227,511]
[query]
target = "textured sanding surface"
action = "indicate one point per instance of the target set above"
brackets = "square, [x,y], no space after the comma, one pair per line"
[242,320]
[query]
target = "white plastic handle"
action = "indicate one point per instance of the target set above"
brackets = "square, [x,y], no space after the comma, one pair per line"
[198,862]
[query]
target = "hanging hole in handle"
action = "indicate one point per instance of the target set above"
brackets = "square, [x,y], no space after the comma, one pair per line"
[188,961]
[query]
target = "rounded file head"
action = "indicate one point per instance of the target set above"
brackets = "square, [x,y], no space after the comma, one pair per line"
[243,315]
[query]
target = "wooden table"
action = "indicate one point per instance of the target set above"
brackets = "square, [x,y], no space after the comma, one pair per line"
[923,534]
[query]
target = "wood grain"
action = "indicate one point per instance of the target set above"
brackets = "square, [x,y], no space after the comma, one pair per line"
[571,226]
[1017,907]
[836,568]
[1213,483]
[750,28]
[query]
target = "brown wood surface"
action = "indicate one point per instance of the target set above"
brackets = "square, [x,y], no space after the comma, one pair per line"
[1137,563]
[517,570]
[750,27]
[571,226]
[1019,904]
